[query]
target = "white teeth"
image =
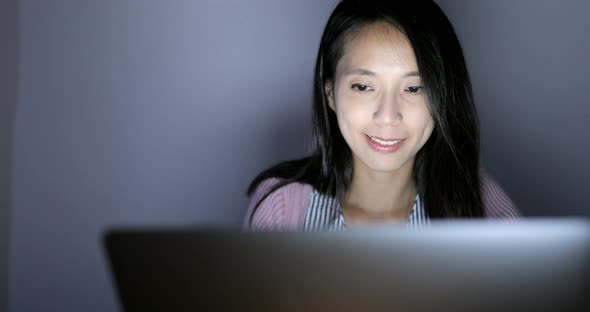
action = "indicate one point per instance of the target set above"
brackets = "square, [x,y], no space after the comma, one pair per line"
[384,142]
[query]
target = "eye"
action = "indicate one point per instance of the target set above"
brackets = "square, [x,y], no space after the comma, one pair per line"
[361,87]
[414,89]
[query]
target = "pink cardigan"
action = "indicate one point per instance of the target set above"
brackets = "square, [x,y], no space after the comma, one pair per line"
[285,209]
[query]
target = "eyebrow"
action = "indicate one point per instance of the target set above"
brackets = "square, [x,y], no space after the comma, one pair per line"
[366,72]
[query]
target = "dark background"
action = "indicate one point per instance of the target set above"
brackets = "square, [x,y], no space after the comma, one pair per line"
[128,112]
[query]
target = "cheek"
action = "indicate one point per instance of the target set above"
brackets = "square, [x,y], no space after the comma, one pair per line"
[347,113]
[424,124]
[427,129]
[350,114]
[346,121]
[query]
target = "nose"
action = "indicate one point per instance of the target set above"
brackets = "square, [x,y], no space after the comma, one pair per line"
[388,112]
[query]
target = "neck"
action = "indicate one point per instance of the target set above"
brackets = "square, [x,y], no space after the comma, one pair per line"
[382,194]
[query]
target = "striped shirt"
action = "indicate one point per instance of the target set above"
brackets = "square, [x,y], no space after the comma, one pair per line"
[299,207]
[324,213]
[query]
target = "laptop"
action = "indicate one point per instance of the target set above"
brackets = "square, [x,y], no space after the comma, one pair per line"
[532,265]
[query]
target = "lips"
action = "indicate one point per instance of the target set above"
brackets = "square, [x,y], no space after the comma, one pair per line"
[385,142]
[384,145]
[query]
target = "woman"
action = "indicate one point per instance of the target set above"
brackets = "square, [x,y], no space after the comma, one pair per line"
[395,130]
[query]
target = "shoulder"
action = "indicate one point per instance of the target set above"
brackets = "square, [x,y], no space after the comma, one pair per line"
[495,201]
[283,209]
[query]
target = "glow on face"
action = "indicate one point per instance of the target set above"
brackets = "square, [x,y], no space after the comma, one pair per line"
[379,100]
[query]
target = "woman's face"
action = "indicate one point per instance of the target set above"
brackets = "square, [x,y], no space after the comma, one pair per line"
[378,99]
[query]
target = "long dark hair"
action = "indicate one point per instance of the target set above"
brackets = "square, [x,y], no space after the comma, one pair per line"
[446,168]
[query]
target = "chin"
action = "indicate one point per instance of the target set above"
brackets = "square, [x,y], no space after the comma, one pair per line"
[385,166]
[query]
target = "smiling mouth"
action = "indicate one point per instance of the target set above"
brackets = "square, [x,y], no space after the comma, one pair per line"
[384,142]
[384,145]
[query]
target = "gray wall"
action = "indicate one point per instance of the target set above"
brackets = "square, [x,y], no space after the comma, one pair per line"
[8,90]
[146,113]
[529,64]
[159,113]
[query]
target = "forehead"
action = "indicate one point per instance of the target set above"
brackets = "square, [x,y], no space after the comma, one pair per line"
[377,47]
